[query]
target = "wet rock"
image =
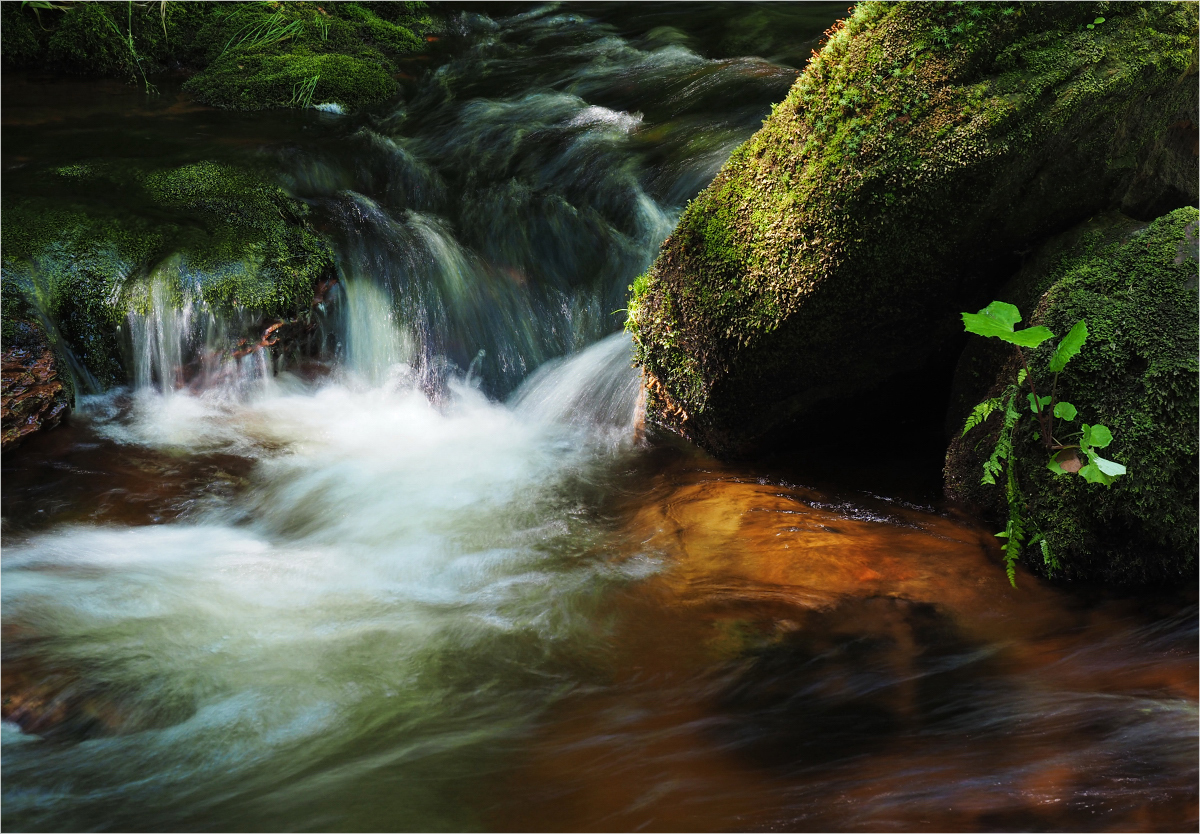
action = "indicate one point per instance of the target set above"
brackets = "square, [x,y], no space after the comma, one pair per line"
[32,395]
[1135,286]
[224,238]
[845,680]
[920,151]
[74,701]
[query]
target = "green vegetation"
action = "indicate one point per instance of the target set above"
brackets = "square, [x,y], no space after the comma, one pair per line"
[922,146]
[249,55]
[228,235]
[1136,287]
[997,320]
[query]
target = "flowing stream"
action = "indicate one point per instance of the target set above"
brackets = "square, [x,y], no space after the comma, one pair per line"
[443,579]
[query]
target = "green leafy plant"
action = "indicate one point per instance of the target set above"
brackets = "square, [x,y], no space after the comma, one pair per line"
[1050,417]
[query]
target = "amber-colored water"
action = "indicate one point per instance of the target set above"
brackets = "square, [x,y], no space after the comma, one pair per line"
[810,663]
[444,580]
[777,658]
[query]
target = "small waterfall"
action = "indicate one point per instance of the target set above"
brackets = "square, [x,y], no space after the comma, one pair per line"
[179,341]
[162,334]
[375,344]
[596,390]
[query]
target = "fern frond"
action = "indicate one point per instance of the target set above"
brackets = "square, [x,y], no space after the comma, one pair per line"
[1015,529]
[980,413]
[992,467]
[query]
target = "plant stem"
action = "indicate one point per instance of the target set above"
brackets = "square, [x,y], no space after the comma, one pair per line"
[1047,441]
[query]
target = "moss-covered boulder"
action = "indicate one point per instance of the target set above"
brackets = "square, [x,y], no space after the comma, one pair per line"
[246,55]
[299,54]
[225,236]
[922,149]
[1135,285]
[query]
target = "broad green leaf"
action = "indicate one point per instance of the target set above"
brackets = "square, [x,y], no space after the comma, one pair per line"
[1093,474]
[1037,405]
[1030,337]
[998,313]
[1069,346]
[1065,411]
[1096,437]
[1055,468]
[997,319]
[1108,467]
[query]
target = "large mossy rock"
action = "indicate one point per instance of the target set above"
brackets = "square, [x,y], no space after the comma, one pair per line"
[1135,285]
[921,149]
[246,55]
[87,252]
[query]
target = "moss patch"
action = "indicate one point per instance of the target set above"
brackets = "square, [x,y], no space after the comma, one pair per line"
[258,82]
[234,238]
[1137,374]
[249,56]
[922,147]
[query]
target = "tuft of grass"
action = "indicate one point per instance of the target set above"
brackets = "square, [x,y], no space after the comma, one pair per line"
[256,34]
[302,92]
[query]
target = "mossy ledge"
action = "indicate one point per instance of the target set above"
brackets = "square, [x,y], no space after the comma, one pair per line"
[922,149]
[242,55]
[1135,285]
[226,236]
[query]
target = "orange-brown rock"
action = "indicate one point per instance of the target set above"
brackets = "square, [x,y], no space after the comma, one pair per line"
[32,396]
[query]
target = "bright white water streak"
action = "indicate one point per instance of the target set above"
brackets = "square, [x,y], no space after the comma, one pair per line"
[400,579]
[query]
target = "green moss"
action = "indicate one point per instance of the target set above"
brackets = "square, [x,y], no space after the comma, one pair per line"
[231,238]
[22,40]
[94,38]
[1135,286]
[250,55]
[921,147]
[260,56]
[258,82]
[1137,374]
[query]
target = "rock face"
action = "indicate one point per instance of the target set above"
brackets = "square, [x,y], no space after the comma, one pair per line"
[105,242]
[921,150]
[1135,285]
[32,394]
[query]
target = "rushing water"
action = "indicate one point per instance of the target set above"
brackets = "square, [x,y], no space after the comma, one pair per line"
[442,579]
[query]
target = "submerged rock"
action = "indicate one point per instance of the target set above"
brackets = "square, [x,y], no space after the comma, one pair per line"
[104,243]
[32,394]
[924,147]
[1135,285]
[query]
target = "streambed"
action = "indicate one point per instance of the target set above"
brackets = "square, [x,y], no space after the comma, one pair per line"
[444,579]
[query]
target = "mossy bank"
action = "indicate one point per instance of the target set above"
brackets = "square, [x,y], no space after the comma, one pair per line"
[1135,285]
[245,56]
[920,152]
[225,236]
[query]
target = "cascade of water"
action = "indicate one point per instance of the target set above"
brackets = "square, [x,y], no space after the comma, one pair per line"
[375,344]
[162,333]
[596,391]
[178,341]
